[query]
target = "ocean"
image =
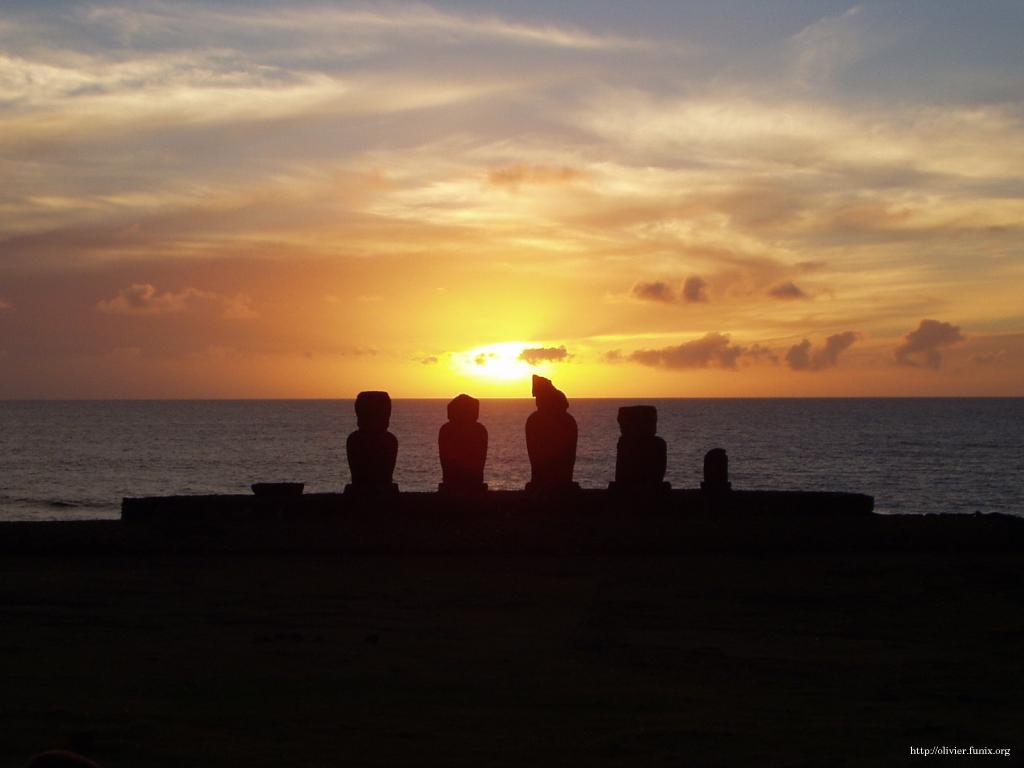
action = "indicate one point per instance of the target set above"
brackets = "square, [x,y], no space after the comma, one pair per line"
[78,459]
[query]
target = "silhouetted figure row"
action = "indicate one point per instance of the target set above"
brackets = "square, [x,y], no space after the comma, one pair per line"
[551,435]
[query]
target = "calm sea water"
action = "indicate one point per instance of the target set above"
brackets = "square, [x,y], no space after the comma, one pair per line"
[74,460]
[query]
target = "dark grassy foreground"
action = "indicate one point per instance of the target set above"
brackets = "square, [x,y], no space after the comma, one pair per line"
[701,659]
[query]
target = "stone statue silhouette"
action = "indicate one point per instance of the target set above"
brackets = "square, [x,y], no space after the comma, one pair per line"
[640,457]
[371,449]
[462,445]
[551,434]
[716,471]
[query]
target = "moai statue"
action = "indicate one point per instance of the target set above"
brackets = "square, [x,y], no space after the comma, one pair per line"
[640,457]
[462,444]
[371,449]
[550,440]
[716,471]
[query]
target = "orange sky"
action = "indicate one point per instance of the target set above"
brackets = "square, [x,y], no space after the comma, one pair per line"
[242,200]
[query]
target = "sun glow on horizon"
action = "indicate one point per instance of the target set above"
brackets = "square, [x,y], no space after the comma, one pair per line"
[502,362]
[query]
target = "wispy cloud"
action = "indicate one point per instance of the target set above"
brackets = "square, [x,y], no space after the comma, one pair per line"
[405,19]
[144,299]
[825,46]
[517,175]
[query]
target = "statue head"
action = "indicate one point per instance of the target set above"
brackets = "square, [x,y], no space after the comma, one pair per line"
[638,420]
[373,411]
[541,386]
[464,409]
[548,398]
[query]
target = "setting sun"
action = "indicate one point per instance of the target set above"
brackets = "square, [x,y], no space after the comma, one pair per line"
[506,361]
[495,361]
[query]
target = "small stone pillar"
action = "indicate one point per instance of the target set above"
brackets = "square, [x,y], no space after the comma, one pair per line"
[716,471]
[551,434]
[641,456]
[371,449]
[462,445]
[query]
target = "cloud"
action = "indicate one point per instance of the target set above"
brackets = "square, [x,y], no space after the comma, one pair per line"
[758,352]
[516,175]
[713,350]
[811,265]
[827,46]
[537,355]
[356,351]
[788,291]
[412,20]
[345,350]
[920,347]
[695,289]
[801,357]
[144,299]
[656,291]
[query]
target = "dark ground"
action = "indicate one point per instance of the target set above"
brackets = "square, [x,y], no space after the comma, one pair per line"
[845,659]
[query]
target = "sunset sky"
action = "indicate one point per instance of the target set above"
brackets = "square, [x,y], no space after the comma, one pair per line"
[634,199]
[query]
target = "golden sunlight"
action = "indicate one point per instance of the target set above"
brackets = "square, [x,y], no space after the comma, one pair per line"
[503,361]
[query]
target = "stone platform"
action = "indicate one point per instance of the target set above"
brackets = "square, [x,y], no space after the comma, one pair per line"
[513,523]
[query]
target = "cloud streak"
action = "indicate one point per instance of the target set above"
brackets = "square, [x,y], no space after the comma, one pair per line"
[417,20]
[143,299]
